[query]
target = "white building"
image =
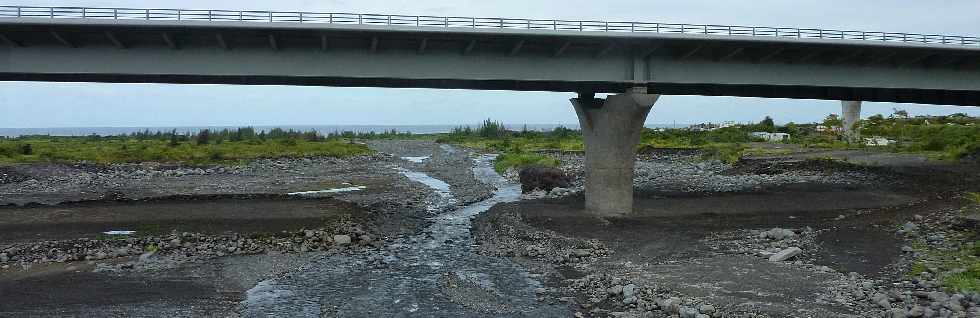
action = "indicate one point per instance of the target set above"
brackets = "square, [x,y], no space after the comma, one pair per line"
[770,137]
[878,141]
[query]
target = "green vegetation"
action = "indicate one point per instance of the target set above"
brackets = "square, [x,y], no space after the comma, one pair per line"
[973,196]
[684,138]
[957,269]
[491,136]
[950,137]
[727,153]
[967,281]
[203,148]
[520,160]
[942,137]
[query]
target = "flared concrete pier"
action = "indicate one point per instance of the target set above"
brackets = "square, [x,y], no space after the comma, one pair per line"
[611,129]
[850,119]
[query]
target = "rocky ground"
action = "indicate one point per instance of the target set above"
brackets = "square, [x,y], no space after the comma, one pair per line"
[788,236]
[205,236]
[791,235]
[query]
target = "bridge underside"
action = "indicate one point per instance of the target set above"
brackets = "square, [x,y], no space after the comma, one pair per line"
[181,52]
[908,95]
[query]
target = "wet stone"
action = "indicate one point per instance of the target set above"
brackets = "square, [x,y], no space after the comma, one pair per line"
[785,254]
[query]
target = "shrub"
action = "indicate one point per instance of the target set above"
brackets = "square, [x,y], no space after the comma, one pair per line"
[520,160]
[491,129]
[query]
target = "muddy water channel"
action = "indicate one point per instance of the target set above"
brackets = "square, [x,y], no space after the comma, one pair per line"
[433,274]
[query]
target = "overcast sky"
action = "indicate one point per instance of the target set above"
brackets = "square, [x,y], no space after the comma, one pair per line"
[25,104]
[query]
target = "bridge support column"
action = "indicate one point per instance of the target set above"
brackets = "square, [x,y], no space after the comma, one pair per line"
[850,119]
[611,130]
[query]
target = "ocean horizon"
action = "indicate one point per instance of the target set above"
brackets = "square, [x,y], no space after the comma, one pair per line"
[323,129]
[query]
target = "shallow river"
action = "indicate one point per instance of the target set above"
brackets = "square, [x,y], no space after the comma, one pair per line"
[432,274]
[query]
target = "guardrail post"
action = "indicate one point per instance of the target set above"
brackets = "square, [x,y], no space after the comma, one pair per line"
[147,14]
[330,19]
[52,12]
[445,21]
[360,19]
[682,28]
[178,15]
[300,17]
[241,15]
[473,22]
[607,26]
[705,29]
[18,12]
[209,15]
[729,30]
[84,13]
[115,13]
[417,20]
[270,16]
[389,19]
[554,24]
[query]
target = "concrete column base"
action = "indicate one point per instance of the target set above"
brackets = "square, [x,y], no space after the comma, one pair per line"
[850,117]
[611,130]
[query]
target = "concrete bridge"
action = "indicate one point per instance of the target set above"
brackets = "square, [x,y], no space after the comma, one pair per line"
[635,61]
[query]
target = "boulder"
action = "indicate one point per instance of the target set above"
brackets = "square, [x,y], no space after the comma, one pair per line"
[544,178]
[341,239]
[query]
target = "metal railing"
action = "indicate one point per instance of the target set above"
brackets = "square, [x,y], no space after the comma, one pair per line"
[477,23]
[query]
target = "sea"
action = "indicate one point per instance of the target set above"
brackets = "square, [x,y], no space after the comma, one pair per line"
[323,129]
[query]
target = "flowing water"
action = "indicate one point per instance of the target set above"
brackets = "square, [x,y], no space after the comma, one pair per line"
[432,274]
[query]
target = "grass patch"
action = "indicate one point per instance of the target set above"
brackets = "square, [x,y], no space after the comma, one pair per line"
[727,153]
[917,268]
[957,270]
[128,150]
[521,160]
[967,281]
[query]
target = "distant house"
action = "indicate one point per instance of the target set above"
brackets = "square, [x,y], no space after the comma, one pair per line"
[827,129]
[727,124]
[770,137]
[703,127]
[878,141]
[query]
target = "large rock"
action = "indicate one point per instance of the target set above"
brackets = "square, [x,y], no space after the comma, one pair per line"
[544,178]
[341,239]
[785,254]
